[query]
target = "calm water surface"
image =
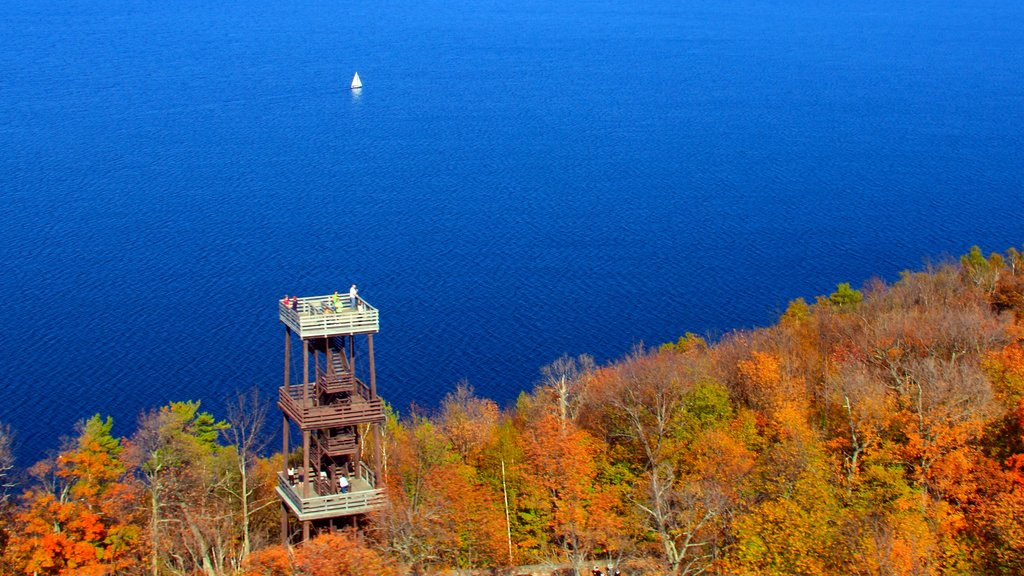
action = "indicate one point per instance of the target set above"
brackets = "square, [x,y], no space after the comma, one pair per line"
[518,179]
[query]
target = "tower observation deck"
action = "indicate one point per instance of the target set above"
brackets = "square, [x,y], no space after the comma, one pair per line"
[333,408]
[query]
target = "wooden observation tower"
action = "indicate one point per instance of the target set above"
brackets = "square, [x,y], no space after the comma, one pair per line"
[334,410]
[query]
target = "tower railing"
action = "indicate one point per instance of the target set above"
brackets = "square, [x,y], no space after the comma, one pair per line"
[355,502]
[325,316]
[309,416]
[338,444]
[336,383]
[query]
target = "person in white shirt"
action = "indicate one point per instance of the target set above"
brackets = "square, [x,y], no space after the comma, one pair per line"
[343,484]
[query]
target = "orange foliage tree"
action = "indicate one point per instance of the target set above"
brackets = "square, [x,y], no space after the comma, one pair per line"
[442,512]
[791,525]
[332,554]
[582,515]
[79,519]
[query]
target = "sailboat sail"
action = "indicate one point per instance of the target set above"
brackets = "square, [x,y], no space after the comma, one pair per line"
[356,83]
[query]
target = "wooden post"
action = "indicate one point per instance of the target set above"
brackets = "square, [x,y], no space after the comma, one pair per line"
[284,444]
[316,362]
[375,435]
[287,354]
[373,373]
[305,434]
[305,531]
[359,450]
[305,464]
[284,525]
[330,357]
[305,374]
[284,429]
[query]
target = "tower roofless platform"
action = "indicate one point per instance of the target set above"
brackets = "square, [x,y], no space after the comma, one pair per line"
[334,410]
[323,316]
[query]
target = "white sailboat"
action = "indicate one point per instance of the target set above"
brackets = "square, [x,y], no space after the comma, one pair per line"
[356,83]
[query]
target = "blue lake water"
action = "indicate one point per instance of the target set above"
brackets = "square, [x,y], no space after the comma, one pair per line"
[518,179]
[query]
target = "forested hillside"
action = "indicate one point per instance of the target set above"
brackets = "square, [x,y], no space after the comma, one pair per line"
[877,431]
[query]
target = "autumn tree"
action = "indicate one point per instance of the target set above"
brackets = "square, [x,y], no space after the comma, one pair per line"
[581,511]
[78,518]
[791,526]
[330,554]
[981,271]
[191,525]
[845,297]
[269,561]
[686,343]
[468,423]
[566,379]
[441,512]
[1004,368]
[7,485]
[414,451]
[660,407]
[340,554]
[247,416]
[764,382]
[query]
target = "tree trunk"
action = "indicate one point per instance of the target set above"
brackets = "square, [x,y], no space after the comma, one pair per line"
[154,524]
[246,546]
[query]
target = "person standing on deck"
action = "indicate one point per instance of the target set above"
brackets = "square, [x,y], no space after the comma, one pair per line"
[353,294]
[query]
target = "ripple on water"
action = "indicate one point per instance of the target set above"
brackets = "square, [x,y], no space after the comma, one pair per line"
[515,181]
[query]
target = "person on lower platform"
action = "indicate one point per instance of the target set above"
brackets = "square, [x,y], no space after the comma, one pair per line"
[343,485]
